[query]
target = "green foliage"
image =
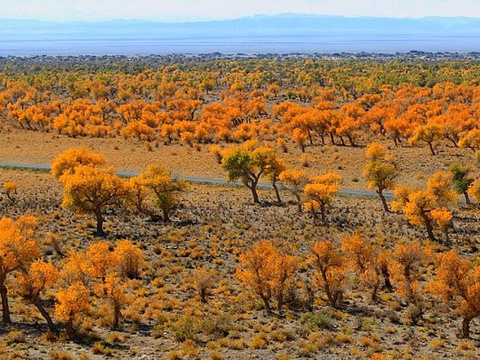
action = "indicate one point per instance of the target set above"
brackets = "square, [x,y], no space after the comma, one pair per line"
[318,320]
[461,179]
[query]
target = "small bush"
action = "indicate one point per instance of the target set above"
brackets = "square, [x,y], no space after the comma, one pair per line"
[59,355]
[317,321]
[184,329]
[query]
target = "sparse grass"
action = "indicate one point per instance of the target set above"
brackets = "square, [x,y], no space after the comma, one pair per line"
[164,308]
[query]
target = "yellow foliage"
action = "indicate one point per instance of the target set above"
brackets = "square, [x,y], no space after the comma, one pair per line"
[41,276]
[375,151]
[441,187]
[92,189]
[71,158]
[72,302]
[128,258]
[18,248]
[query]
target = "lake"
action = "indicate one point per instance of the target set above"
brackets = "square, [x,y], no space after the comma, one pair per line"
[237,44]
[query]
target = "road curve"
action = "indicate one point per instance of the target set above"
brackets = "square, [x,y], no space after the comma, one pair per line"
[194,179]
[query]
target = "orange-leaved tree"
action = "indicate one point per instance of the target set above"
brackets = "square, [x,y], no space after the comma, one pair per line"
[457,282]
[408,259]
[73,302]
[10,188]
[18,248]
[34,282]
[429,133]
[110,287]
[268,272]
[366,260]
[332,272]
[276,167]
[128,258]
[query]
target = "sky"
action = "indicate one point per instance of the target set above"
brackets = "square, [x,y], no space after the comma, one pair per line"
[192,10]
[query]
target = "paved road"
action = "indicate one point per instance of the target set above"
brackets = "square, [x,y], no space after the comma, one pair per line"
[195,179]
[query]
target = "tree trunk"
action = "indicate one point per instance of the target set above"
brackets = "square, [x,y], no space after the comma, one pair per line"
[315,217]
[266,303]
[332,138]
[454,142]
[46,316]
[416,313]
[280,301]
[203,295]
[384,201]
[323,214]
[467,198]
[277,193]
[5,308]
[350,139]
[310,298]
[100,221]
[431,148]
[447,237]
[330,297]
[386,279]
[429,227]
[299,201]
[166,217]
[374,296]
[253,188]
[466,327]
[69,329]
[117,314]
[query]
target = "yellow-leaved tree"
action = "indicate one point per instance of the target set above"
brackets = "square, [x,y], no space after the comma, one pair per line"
[164,191]
[380,171]
[18,249]
[429,207]
[113,268]
[68,160]
[407,261]
[92,189]
[294,181]
[320,194]
[367,261]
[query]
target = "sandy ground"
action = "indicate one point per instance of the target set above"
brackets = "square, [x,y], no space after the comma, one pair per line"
[211,228]
[415,164]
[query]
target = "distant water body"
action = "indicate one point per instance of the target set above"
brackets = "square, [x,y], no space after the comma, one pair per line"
[238,44]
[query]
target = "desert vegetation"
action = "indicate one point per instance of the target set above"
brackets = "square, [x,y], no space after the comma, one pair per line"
[278,264]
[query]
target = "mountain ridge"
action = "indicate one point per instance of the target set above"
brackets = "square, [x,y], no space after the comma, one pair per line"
[438,20]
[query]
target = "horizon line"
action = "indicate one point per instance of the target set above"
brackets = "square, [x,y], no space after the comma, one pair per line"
[260,15]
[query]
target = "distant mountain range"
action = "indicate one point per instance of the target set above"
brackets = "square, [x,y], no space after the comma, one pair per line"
[287,31]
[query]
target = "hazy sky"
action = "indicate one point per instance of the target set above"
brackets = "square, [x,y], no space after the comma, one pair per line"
[64,10]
